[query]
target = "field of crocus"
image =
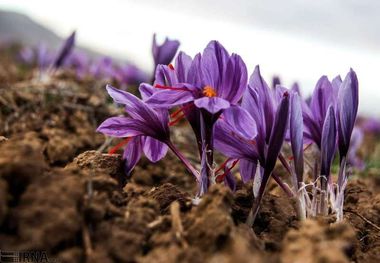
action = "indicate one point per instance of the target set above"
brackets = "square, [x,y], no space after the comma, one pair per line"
[199,161]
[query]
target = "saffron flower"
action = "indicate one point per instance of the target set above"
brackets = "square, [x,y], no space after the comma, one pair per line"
[145,129]
[269,111]
[213,80]
[203,87]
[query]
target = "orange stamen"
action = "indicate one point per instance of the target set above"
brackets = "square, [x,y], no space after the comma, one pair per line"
[119,145]
[208,91]
[171,66]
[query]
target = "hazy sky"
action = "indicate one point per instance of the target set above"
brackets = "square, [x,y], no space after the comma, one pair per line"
[299,40]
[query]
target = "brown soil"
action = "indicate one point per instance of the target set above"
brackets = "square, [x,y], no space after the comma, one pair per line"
[58,194]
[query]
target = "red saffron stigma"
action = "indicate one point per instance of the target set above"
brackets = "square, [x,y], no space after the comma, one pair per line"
[182,109]
[171,66]
[119,145]
[158,86]
[222,176]
[223,165]
[174,122]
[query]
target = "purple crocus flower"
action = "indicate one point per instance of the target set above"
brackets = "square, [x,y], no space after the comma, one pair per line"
[65,51]
[212,81]
[348,102]
[269,110]
[296,138]
[164,53]
[314,114]
[203,87]
[328,146]
[147,129]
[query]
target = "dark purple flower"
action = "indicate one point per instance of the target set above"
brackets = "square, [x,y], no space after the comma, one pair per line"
[328,145]
[65,51]
[348,101]
[164,53]
[296,136]
[269,111]
[276,81]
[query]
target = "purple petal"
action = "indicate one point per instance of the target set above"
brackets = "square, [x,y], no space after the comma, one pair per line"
[212,105]
[166,76]
[265,99]
[348,108]
[122,127]
[241,121]
[146,91]
[278,133]
[328,144]
[194,76]
[275,81]
[229,179]
[336,83]
[232,145]
[321,99]
[247,170]
[65,51]
[170,98]
[296,88]
[296,134]
[154,150]
[140,110]
[234,80]
[132,154]
[214,62]
[182,66]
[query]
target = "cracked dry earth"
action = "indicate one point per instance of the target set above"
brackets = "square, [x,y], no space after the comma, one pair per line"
[58,194]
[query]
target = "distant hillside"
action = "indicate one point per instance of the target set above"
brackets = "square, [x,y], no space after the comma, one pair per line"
[16,27]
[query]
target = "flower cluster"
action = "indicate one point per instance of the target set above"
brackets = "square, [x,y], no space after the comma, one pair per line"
[245,120]
[83,64]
